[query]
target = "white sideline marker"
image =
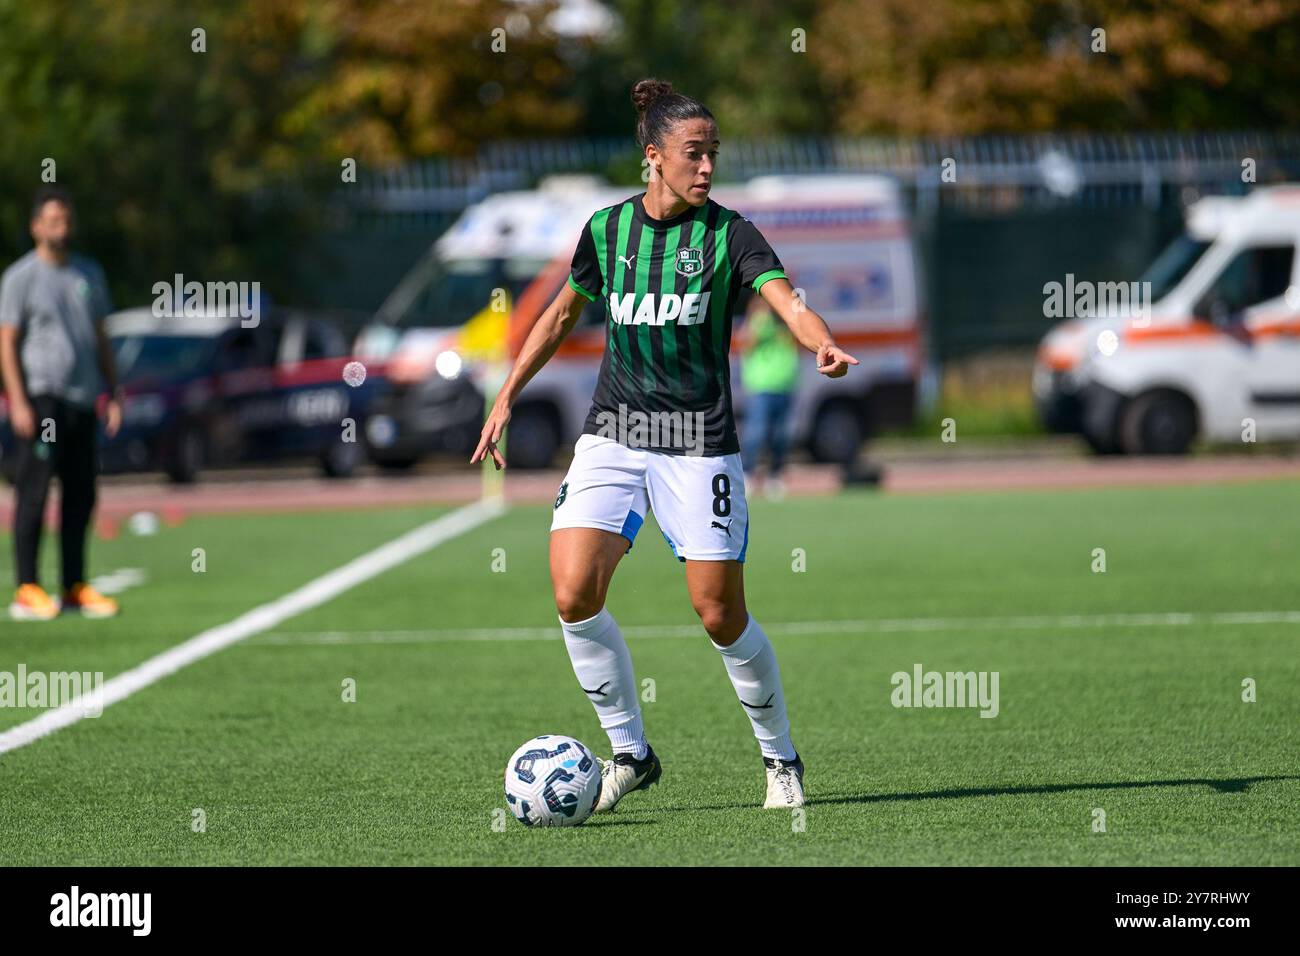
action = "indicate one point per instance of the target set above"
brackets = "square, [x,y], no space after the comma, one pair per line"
[310,595]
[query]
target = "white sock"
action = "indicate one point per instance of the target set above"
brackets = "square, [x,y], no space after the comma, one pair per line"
[751,665]
[603,666]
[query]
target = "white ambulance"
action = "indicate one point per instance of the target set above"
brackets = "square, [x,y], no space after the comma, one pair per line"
[1209,350]
[845,241]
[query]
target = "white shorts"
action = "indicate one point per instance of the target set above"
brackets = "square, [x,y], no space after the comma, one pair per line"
[699,502]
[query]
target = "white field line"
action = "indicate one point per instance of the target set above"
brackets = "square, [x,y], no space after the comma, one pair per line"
[310,595]
[878,626]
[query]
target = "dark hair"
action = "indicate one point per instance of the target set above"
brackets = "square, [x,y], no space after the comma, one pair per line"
[658,108]
[50,193]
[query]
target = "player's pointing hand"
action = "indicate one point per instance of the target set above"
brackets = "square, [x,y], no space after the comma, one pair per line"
[833,361]
[493,428]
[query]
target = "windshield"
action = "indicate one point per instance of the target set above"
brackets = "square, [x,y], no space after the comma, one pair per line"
[161,356]
[1173,264]
[447,293]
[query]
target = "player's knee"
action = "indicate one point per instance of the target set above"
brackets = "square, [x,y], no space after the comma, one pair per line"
[723,620]
[575,604]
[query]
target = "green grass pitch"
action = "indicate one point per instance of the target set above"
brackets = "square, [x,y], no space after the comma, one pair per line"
[1141,719]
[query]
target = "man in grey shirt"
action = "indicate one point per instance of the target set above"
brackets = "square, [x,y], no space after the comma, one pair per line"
[55,359]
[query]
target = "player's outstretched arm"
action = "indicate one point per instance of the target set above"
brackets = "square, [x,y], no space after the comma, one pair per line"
[543,339]
[808,327]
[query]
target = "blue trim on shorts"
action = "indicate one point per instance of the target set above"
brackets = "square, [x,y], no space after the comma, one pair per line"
[671,545]
[746,542]
[631,525]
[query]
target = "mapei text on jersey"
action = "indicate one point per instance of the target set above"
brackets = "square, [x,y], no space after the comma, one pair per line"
[656,309]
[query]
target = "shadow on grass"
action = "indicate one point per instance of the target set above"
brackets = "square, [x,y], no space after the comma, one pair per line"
[1222,785]
[603,821]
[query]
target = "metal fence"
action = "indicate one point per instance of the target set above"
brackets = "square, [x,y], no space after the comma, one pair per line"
[1048,168]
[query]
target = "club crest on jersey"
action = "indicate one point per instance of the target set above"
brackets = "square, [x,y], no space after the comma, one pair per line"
[690,262]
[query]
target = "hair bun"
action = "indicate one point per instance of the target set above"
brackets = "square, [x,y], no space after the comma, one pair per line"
[646,91]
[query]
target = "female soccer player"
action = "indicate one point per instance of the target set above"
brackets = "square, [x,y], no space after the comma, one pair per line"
[669,264]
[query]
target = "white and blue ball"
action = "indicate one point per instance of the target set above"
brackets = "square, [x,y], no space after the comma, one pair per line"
[552,781]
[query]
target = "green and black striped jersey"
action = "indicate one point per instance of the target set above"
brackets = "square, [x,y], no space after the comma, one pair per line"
[669,287]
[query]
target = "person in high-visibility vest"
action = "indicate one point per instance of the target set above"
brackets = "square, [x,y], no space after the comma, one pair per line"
[769,372]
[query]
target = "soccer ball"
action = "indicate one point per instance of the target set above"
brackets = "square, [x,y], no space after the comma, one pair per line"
[552,781]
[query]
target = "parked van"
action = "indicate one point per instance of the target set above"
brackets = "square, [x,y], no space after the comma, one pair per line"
[1212,353]
[845,241]
[445,324]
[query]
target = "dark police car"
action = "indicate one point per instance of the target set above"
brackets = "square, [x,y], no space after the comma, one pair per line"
[205,390]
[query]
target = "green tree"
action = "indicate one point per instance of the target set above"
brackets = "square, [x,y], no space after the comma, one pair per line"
[737,59]
[948,67]
[219,163]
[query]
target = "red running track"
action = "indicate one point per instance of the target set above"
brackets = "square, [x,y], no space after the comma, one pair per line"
[121,497]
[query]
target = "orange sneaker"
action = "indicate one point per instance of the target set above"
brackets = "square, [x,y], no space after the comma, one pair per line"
[31,603]
[82,598]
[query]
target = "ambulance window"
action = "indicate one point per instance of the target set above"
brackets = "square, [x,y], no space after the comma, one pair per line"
[1173,264]
[455,291]
[455,295]
[1255,275]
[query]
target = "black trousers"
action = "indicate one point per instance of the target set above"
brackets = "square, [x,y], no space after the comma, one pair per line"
[65,445]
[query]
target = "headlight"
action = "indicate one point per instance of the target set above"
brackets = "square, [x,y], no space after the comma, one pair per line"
[1105,344]
[448,364]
